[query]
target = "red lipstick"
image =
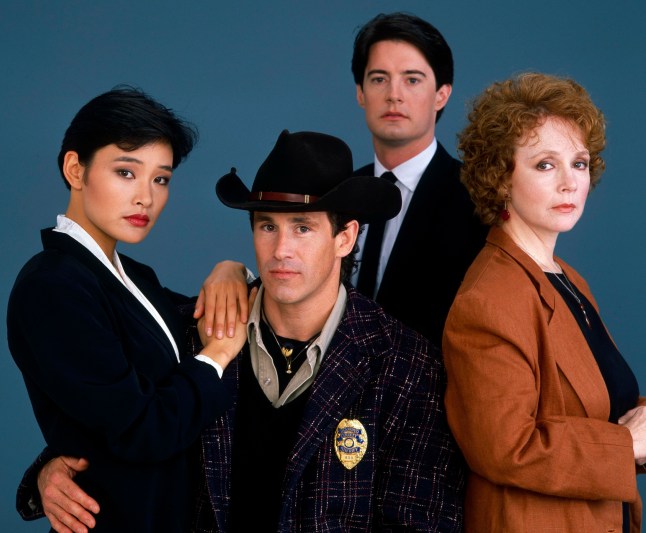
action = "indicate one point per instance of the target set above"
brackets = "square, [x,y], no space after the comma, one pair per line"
[138,220]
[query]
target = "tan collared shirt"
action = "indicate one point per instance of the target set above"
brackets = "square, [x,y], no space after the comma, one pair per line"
[263,364]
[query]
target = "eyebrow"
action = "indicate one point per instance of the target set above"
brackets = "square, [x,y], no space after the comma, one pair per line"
[127,159]
[405,72]
[299,218]
[558,152]
[554,153]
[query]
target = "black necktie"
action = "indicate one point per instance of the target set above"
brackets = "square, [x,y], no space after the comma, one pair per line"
[372,249]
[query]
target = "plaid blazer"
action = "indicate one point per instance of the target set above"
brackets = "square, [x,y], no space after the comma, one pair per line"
[388,377]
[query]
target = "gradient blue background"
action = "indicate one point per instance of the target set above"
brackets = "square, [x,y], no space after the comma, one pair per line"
[242,71]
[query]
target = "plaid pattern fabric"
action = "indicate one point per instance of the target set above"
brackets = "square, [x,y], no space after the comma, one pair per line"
[28,502]
[389,378]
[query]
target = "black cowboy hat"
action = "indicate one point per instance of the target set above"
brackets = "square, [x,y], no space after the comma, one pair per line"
[308,171]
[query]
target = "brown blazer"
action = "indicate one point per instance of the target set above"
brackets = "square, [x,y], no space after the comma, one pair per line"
[528,405]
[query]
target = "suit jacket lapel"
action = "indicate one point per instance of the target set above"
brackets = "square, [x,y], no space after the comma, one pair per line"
[425,203]
[162,304]
[574,362]
[138,312]
[586,379]
[341,378]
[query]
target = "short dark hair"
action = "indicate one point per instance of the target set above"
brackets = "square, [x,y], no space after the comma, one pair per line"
[349,263]
[408,28]
[128,117]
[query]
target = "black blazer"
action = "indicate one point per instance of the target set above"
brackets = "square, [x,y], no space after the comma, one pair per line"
[440,224]
[105,384]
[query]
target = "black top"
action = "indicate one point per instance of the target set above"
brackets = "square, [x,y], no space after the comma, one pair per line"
[273,343]
[621,383]
[263,438]
[623,389]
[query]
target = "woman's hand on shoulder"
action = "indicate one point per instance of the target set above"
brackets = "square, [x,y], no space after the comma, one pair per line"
[224,350]
[223,299]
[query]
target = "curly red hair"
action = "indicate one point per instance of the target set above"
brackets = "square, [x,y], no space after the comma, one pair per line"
[505,114]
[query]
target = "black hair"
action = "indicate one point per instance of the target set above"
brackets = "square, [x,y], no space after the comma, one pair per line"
[130,118]
[339,222]
[408,28]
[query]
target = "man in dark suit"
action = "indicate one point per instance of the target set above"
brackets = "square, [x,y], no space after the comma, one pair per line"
[403,70]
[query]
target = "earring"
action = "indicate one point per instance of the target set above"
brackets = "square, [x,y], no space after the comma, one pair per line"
[505,214]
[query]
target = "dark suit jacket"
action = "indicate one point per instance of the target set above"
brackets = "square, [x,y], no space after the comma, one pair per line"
[528,405]
[105,384]
[388,377]
[439,223]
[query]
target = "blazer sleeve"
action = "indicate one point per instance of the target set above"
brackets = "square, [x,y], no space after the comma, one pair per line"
[28,502]
[506,407]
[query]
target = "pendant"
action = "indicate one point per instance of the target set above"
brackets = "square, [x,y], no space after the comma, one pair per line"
[287,351]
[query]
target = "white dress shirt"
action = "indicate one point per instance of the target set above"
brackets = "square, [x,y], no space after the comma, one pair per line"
[408,175]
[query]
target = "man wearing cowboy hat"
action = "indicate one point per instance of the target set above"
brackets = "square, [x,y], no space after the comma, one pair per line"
[403,70]
[338,420]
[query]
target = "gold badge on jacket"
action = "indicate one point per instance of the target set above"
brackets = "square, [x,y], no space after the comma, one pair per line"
[350,443]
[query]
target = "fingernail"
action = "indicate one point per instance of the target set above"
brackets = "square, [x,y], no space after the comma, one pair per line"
[209,332]
[231,332]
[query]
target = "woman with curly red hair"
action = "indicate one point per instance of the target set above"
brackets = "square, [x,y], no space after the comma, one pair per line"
[543,406]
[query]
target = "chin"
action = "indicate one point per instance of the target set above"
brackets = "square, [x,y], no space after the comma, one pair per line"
[282,294]
[134,239]
[564,228]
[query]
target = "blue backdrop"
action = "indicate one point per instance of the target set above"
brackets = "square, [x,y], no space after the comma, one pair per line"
[242,71]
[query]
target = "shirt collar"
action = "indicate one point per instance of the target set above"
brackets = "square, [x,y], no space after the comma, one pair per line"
[74,230]
[410,172]
[331,324]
